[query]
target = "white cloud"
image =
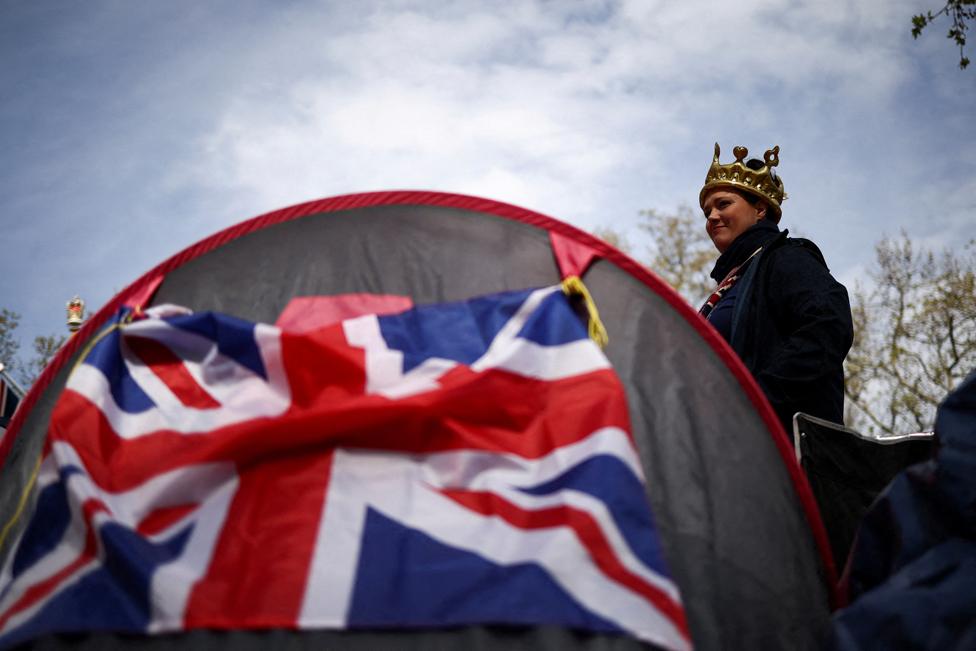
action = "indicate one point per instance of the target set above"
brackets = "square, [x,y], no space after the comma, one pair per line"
[587,111]
[408,94]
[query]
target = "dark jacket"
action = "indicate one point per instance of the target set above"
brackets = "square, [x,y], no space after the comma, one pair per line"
[791,324]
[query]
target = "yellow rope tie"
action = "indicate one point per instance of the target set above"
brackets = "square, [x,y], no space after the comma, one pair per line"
[573,286]
[21,504]
[97,338]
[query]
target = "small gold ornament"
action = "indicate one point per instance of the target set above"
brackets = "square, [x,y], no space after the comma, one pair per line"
[763,182]
[76,314]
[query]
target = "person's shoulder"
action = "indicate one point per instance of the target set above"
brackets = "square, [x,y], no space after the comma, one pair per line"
[797,249]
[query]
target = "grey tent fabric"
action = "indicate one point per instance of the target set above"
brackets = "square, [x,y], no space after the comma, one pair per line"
[732,524]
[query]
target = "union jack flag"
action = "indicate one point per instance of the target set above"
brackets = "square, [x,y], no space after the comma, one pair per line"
[454,464]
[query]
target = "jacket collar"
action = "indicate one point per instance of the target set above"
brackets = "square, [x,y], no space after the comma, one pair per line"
[757,235]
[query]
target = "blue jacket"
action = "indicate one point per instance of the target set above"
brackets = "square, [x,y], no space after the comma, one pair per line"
[912,571]
[792,325]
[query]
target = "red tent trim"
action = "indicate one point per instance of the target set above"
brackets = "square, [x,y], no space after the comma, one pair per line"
[572,256]
[148,282]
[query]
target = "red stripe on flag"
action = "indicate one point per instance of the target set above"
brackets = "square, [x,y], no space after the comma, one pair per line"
[307,313]
[162,518]
[322,367]
[494,411]
[170,369]
[588,532]
[260,564]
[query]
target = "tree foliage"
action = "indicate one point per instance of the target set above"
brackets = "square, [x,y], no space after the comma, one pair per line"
[44,348]
[9,345]
[614,238]
[680,251]
[915,336]
[677,250]
[961,12]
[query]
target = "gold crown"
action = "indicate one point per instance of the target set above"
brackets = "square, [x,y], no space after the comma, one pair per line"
[763,182]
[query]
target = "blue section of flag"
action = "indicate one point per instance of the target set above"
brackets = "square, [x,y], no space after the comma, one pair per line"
[234,337]
[405,577]
[106,356]
[464,331]
[420,333]
[608,479]
[554,323]
[115,596]
[46,528]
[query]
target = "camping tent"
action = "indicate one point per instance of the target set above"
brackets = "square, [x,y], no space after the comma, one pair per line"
[739,529]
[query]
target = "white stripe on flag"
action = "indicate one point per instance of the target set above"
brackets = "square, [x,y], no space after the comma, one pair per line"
[242,394]
[405,489]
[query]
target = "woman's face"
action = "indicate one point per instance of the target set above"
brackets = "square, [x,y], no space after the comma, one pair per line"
[728,215]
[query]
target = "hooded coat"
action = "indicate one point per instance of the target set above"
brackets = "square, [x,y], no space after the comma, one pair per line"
[791,323]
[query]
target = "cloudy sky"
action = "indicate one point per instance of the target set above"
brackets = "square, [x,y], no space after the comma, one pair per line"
[130,130]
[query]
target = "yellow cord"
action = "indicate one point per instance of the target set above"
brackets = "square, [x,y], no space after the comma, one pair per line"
[573,286]
[33,478]
[97,338]
[21,504]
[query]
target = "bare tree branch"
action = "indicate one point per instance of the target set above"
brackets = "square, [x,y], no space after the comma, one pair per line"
[915,336]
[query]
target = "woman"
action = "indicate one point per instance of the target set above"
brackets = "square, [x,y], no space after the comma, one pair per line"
[776,303]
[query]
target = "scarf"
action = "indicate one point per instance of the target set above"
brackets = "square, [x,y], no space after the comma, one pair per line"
[730,265]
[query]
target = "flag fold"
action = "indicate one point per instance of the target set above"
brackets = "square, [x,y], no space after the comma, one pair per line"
[455,464]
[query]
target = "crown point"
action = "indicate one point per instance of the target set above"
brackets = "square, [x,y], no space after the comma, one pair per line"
[762,181]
